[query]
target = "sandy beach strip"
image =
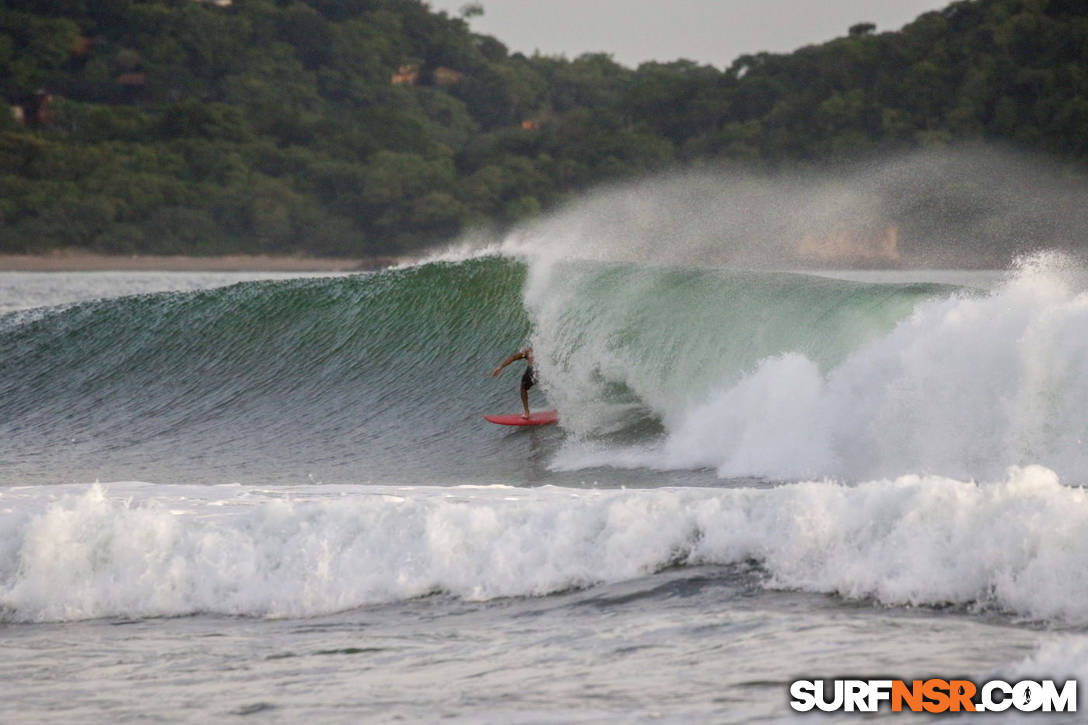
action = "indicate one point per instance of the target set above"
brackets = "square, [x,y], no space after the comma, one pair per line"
[73,260]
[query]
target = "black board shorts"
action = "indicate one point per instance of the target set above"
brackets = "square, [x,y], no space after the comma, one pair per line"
[528,379]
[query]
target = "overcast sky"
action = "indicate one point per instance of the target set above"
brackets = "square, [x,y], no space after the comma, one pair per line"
[708,31]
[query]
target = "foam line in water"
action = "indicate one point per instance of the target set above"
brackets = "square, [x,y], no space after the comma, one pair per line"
[1062,657]
[1020,545]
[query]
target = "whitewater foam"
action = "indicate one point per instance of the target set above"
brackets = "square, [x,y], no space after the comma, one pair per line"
[1020,546]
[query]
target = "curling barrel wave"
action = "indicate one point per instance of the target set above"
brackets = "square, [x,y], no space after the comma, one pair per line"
[795,378]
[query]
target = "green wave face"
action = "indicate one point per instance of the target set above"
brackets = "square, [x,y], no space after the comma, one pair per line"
[339,378]
[384,377]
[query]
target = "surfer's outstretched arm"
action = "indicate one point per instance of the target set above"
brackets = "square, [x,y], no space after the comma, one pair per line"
[520,355]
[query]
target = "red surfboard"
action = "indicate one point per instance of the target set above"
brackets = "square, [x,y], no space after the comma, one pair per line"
[546,417]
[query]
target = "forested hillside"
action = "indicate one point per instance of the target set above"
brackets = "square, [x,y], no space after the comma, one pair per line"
[359,127]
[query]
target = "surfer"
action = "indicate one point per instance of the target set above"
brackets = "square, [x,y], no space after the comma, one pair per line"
[528,379]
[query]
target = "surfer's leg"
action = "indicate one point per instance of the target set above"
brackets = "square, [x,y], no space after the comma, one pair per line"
[527,381]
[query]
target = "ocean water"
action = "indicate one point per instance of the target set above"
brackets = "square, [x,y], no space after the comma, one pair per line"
[276,499]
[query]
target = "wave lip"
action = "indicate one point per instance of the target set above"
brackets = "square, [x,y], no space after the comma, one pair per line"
[1019,546]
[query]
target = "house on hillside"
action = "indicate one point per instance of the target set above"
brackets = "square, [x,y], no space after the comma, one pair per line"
[406,75]
[81,48]
[37,110]
[132,80]
[413,74]
[878,246]
[444,76]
